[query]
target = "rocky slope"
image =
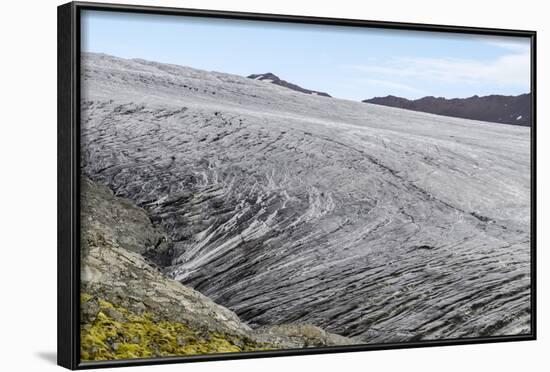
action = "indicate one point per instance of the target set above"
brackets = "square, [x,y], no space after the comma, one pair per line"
[368,221]
[274,79]
[514,110]
[129,309]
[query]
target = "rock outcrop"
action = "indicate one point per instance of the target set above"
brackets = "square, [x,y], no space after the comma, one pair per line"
[129,309]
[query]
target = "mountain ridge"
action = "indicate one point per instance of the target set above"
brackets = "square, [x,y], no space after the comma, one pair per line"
[274,79]
[514,110]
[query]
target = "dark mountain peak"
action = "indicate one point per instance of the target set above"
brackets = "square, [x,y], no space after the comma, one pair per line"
[266,76]
[495,108]
[389,100]
[274,79]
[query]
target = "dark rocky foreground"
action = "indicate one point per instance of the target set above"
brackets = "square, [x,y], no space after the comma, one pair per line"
[129,309]
[371,222]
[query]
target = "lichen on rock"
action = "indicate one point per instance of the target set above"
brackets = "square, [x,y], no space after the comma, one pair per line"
[117,333]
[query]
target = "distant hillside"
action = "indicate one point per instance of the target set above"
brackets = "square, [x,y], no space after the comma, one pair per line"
[514,110]
[272,78]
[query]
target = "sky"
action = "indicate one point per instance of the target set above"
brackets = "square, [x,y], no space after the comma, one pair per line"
[346,62]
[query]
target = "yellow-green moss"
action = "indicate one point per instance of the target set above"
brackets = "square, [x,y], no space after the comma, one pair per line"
[85,297]
[133,335]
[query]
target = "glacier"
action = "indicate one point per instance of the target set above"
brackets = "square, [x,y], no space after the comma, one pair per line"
[376,223]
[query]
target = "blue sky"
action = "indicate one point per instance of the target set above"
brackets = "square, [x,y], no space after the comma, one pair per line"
[346,62]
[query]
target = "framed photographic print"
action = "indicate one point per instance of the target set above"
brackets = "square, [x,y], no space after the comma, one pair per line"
[237,185]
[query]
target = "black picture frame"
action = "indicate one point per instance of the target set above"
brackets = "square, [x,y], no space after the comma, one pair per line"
[68,250]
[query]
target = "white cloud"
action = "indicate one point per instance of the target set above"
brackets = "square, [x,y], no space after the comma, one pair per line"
[398,87]
[516,45]
[508,70]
